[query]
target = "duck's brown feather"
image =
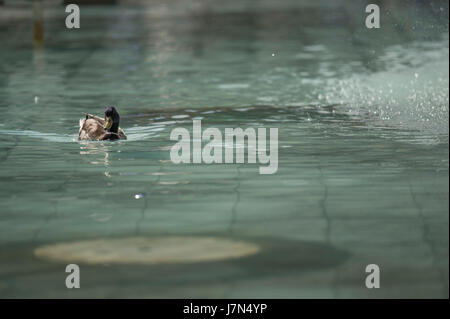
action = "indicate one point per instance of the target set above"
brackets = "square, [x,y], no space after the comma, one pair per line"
[91,128]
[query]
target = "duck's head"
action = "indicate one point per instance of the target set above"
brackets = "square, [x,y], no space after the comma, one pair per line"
[112,119]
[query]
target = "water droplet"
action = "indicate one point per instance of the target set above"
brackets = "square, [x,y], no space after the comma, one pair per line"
[139,196]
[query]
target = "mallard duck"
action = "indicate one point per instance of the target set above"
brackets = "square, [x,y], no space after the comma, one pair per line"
[95,128]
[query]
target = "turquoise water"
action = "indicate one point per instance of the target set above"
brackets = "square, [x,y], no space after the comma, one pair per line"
[363,147]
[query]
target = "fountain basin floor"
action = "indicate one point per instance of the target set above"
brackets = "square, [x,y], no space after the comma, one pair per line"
[363,172]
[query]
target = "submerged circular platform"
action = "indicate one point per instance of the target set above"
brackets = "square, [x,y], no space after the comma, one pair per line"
[147,250]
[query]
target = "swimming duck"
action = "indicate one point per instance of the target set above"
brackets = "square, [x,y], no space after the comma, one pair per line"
[95,128]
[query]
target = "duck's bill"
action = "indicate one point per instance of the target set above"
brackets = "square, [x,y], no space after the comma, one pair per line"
[108,123]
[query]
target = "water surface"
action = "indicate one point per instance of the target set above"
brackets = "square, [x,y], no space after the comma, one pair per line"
[363,146]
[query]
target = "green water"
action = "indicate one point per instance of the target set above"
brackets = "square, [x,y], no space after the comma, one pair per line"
[363,147]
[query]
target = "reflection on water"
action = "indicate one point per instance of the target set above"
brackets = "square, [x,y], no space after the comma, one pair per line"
[363,146]
[97,149]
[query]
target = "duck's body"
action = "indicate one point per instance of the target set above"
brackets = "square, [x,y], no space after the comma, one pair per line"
[95,128]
